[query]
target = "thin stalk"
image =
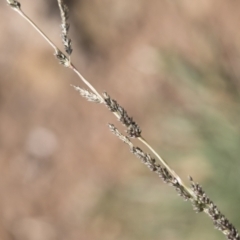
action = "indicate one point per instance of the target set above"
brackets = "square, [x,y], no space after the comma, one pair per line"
[37,29]
[165,164]
[71,66]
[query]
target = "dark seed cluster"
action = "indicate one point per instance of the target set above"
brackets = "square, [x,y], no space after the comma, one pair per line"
[133,130]
[162,172]
[146,158]
[203,203]
[14,4]
[62,58]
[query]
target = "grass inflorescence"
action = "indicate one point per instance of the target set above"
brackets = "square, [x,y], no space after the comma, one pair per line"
[194,194]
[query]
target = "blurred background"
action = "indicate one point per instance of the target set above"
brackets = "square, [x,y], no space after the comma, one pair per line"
[174,66]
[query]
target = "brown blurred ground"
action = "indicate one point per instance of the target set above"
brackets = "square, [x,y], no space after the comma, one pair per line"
[174,65]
